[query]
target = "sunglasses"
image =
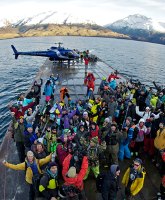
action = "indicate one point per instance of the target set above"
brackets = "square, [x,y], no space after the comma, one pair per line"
[136,165]
[48,130]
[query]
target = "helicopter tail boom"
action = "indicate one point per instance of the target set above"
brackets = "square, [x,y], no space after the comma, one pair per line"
[15,51]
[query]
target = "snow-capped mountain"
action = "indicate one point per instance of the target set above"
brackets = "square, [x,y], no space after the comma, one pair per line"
[137,22]
[140,27]
[50,17]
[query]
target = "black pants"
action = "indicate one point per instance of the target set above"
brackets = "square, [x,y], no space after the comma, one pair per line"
[21,151]
[31,192]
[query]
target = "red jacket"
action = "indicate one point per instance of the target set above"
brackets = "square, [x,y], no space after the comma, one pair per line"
[78,180]
[94,133]
[62,153]
[86,60]
[90,81]
[19,113]
[112,76]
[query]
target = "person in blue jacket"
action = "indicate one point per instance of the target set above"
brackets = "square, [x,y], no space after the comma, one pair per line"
[48,91]
[128,134]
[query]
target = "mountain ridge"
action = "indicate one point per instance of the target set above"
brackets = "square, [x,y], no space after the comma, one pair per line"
[140,27]
[59,30]
[53,23]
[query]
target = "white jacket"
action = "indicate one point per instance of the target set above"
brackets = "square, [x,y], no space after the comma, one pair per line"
[146,115]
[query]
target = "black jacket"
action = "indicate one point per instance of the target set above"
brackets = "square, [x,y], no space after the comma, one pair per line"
[110,186]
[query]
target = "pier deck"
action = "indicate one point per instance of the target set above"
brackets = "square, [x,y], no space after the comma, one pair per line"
[13,186]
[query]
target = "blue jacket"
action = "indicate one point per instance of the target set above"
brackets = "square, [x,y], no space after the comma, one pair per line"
[48,89]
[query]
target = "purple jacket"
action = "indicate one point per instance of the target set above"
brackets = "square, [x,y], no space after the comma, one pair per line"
[66,117]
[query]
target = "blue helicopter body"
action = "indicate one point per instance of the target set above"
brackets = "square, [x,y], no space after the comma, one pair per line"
[54,53]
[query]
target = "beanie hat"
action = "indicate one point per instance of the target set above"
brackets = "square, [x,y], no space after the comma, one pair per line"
[71,172]
[21,117]
[30,153]
[107,120]
[29,126]
[141,120]
[138,160]
[51,164]
[129,119]
[114,124]
[85,114]
[95,140]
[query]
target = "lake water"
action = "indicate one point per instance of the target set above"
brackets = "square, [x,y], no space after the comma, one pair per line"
[140,60]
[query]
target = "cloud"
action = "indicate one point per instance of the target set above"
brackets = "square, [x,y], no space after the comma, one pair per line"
[100,11]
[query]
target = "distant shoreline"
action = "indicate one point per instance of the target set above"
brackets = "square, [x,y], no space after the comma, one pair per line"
[81,36]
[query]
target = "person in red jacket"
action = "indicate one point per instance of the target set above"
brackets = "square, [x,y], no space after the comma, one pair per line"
[71,177]
[86,61]
[112,75]
[20,110]
[89,81]
[94,131]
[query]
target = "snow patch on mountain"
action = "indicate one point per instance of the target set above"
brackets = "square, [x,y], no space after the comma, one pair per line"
[138,21]
[49,17]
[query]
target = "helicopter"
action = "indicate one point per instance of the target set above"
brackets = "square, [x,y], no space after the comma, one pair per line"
[54,53]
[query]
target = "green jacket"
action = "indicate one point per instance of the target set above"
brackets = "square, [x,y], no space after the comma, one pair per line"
[18,131]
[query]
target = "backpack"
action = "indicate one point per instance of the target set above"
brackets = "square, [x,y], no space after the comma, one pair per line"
[99,182]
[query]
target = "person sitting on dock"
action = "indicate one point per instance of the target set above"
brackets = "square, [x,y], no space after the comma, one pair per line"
[32,169]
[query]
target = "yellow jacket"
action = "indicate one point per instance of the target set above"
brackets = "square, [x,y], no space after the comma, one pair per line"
[153,101]
[94,109]
[137,184]
[29,173]
[159,141]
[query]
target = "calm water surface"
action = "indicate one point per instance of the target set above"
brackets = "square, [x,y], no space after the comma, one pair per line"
[140,60]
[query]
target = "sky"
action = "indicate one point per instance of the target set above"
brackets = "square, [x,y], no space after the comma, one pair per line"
[100,11]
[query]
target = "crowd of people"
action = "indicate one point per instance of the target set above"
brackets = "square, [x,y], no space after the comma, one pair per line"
[60,142]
